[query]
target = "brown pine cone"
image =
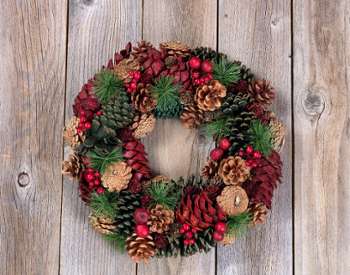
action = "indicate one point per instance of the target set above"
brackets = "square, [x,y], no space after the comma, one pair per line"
[262,92]
[259,212]
[140,249]
[103,225]
[233,170]
[191,117]
[210,169]
[72,167]
[124,67]
[143,125]
[117,176]
[233,200]
[70,133]
[160,219]
[187,98]
[175,48]
[278,132]
[143,100]
[209,97]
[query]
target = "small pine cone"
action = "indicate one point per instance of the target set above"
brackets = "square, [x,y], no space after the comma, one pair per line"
[102,225]
[175,48]
[70,133]
[228,239]
[233,170]
[140,249]
[259,212]
[160,219]
[117,176]
[191,117]
[143,100]
[187,98]
[262,92]
[233,200]
[278,132]
[143,125]
[210,169]
[72,167]
[209,97]
[124,67]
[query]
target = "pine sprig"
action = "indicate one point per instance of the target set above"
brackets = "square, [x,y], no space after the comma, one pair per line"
[226,72]
[217,128]
[238,225]
[168,98]
[261,137]
[164,193]
[106,85]
[104,204]
[100,159]
[116,240]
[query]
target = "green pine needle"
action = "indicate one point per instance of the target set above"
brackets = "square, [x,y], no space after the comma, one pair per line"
[117,240]
[261,137]
[167,95]
[164,193]
[217,128]
[100,159]
[104,204]
[226,72]
[106,85]
[238,225]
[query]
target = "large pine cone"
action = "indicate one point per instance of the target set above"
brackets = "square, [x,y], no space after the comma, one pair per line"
[103,225]
[233,200]
[175,48]
[191,116]
[117,176]
[259,212]
[209,97]
[262,92]
[140,249]
[143,100]
[143,125]
[127,204]
[86,101]
[72,167]
[70,133]
[124,67]
[233,170]
[160,219]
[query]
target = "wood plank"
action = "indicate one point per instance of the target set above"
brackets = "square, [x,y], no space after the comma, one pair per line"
[258,34]
[173,150]
[32,73]
[96,30]
[322,139]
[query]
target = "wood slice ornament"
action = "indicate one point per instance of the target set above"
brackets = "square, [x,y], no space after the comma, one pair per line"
[152,215]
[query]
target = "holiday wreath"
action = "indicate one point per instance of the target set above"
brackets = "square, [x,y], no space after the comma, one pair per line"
[152,215]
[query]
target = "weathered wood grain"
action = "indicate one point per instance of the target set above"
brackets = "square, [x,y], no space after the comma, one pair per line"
[96,30]
[258,34]
[32,72]
[173,150]
[322,136]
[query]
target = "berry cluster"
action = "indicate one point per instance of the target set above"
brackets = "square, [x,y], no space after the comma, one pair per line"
[201,72]
[141,217]
[251,156]
[219,231]
[218,152]
[188,233]
[93,178]
[131,85]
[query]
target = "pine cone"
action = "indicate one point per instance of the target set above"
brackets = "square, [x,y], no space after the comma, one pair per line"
[259,212]
[117,176]
[72,167]
[207,53]
[103,225]
[160,219]
[124,67]
[176,48]
[126,205]
[140,249]
[233,170]
[233,200]
[234,103]
[260,112]
[187,98]
[143,125]
[191,117]
[210,169]
[86,101]
[209,97]
[278,132]
[71,135]
[143,100]
[119,56]
[262,92]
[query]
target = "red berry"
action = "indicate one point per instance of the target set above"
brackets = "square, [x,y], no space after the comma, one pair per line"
[218,236]
[189,235]
[141,216]
[224,144]
[97,182]
[195,62]
[91,185]
[97,174]
[141,230]
[87,125]
[99,113]
[186,242]
[82,119]
[89,170]
[89,177]
[249,149]
[191,242]
[207,66]
[186,227]
[257,154]
[132,85]
[182,230]
[82,113]
[100,190]
[137,75]
[216,154]
[220,227]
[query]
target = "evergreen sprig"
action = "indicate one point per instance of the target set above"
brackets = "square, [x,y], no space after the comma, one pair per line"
[164,193]
[226,72]
[261,137]
[106,85]
[104,204]
[238,225]
[168,98]
[100,159]
[217,128]
[116,240]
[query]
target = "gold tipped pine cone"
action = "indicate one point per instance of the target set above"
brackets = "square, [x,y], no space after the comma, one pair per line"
[160,219]
[102,225]
[175,48]
[124,67]
[72,167]
[117,176]
[140,249]
[233,170]
[208,97]
[143,100]
[278,131]
[70,133]
[259,212]
[191,117]
[143,125]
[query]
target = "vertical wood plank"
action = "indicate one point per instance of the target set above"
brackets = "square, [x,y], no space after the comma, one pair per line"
[174,150]
[96,30]
[258,33]
[32,73]
[322,136]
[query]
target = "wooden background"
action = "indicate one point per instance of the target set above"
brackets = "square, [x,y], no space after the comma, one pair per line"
[48,48]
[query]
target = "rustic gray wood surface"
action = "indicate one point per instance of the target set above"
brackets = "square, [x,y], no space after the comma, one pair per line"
[48,49]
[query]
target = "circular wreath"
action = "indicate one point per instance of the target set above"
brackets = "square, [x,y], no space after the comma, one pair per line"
[153,215]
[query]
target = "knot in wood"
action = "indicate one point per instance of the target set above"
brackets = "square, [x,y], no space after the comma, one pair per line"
[313,103]
[23,179]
